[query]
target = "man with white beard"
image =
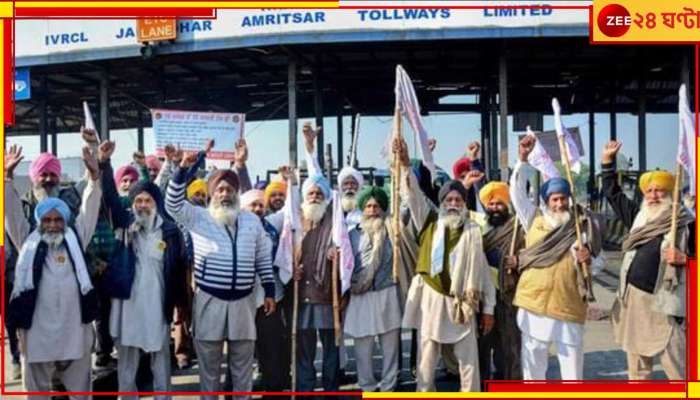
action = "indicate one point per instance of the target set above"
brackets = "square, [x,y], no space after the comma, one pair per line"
[551,291]
[230,248]
[350,180]
[452,279]
[374,310]
[314,274]
[651,295]
[140,317]
[53,302]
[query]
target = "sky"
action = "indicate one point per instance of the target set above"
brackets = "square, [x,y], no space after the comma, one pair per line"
[268,140]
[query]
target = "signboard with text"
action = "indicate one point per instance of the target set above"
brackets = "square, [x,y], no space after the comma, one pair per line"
[191,130]
[37,38]
[156,30]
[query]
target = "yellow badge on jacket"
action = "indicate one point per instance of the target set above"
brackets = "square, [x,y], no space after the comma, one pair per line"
[162,245]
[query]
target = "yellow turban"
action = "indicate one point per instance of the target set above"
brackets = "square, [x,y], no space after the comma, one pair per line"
[662,179]
[494,190]
[275,186]
[197,185]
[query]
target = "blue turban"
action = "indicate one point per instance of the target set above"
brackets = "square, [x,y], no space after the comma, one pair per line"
[52,203]
[320,181]
[555,185]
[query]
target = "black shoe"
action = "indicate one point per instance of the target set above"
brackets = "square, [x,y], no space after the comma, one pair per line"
[105,361]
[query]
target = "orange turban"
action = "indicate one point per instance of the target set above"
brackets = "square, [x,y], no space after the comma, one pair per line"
[275,186]
[494,190]
[663,179]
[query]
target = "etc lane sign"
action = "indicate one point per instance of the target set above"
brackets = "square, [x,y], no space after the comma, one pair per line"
[49,37]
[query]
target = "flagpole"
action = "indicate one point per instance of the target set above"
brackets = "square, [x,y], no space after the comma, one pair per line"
[336,300]
[513,238]
[564,150]
[395,198]
[295,315]
[676,201]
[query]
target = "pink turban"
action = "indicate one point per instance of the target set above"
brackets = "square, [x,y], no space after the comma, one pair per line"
[46,162]
[126,170]
[152,162]
[250,196]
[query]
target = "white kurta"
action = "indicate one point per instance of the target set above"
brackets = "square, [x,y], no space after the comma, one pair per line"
[57,332]
[139,321]
[547,329]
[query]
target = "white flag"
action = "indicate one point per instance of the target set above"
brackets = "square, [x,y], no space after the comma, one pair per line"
[540,159]
[686,137]
[290,236]
[341,239]
[407,103]
[89,123]
[574,153]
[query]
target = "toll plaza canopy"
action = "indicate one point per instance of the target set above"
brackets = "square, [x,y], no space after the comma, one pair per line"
[278,64]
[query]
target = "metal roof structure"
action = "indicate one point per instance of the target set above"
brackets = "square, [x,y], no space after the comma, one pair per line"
[354,78]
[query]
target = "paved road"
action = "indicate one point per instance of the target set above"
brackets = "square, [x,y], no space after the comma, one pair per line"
[603,360]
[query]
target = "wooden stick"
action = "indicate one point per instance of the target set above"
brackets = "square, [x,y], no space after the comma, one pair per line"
[676,202]
[513,239]
[352,157]
[564,150]
[295,315]
[336,300]
[396,199]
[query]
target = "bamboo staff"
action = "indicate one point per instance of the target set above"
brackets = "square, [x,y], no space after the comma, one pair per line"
[513,239]
[296,256]
[395,198]
[295,316]
[336,299]
[674,209]
[352,157]
[564,150]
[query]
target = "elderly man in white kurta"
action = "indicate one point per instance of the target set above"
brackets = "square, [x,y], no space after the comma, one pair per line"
[452,280]
[53,300]
[550,295]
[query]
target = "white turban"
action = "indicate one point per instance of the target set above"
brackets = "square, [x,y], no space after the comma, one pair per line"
[350,172]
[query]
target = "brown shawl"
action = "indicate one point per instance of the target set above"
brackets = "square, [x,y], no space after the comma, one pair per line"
[499,239]
[660,226]
[556,243]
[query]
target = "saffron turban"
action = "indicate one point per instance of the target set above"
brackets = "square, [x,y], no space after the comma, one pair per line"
[126,170]
[52,203]
[251,196]
[197,186]
[461,166]
[662,179]
[373,192]
[350,172]
[494,191]
[274,187]
[555,185]
[317,180]
[45,163]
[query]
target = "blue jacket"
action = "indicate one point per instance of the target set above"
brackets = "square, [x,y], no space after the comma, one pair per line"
[174,257]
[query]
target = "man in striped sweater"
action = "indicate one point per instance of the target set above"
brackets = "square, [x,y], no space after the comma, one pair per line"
[230,247]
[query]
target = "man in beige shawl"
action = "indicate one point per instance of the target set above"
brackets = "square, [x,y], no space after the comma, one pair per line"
[452,280]
[651,296]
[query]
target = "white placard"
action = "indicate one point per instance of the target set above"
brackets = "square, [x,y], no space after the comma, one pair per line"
[192,129]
